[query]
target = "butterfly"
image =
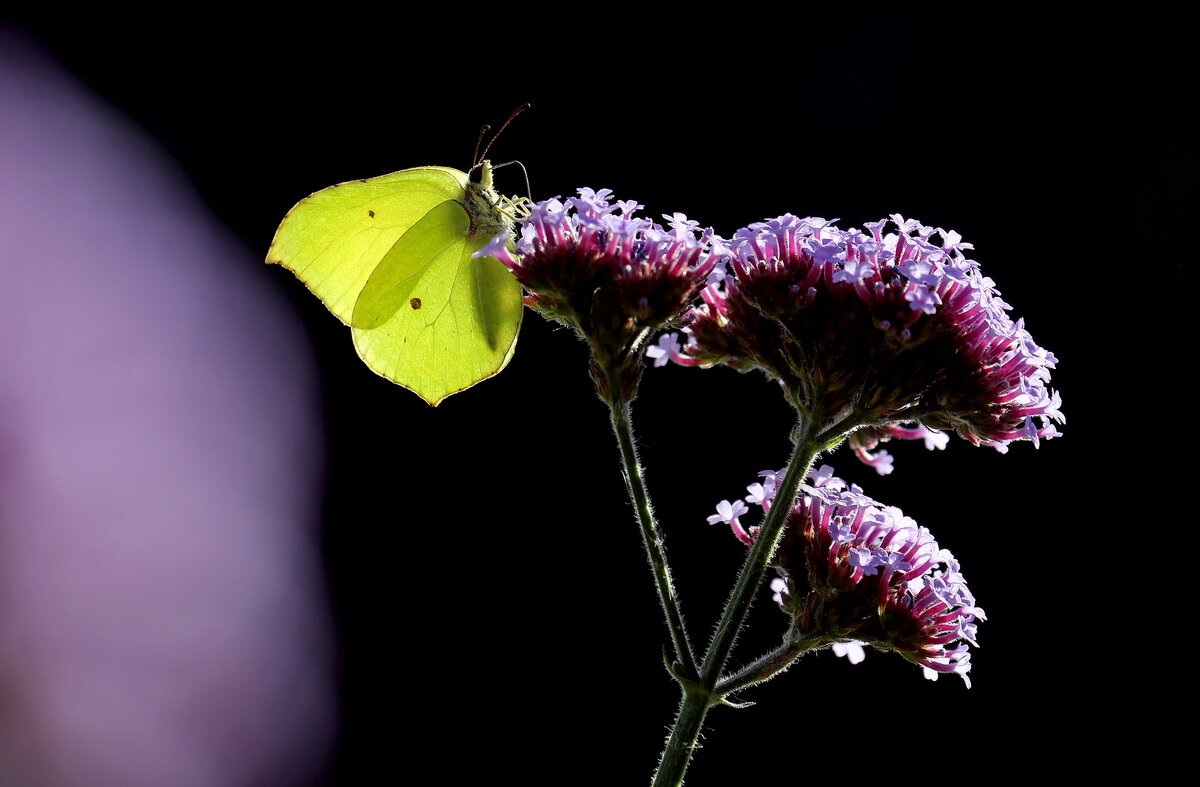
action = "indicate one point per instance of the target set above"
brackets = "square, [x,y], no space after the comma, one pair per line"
[391,257]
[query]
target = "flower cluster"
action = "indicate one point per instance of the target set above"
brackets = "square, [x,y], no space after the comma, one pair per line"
[614,278]
[855,571]
[878,328]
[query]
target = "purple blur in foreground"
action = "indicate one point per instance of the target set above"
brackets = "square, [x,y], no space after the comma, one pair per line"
[856,571]
[162,610]
[882,329]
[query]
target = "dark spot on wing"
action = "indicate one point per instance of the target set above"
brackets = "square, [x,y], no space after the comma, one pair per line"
[371,213]
[414,302]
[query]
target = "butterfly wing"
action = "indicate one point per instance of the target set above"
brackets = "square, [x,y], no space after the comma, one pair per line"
[334,239]
[431,317]
[391,257]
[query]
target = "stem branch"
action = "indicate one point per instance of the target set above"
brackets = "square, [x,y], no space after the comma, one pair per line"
[697,700]
[765,667]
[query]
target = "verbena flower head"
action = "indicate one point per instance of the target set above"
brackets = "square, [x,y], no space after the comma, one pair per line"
[616,279]
[853,570]
[880,328]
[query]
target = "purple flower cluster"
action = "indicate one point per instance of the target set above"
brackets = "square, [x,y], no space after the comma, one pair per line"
[854,570]
[616,279]
[880,328]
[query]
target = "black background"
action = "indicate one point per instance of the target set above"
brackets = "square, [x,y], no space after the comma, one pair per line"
[487,577]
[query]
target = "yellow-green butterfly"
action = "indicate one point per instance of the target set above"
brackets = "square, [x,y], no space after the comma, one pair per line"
[391,257]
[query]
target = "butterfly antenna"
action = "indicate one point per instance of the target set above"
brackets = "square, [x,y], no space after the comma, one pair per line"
[528,190]
[479,141]
[479,157]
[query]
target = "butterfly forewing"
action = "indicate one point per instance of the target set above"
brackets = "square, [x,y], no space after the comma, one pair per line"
[334,239]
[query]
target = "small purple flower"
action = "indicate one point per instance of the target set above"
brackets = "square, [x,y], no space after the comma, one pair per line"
[852,651]
[615,278]
[778,589]
[855,571]
[820,477]
[865,440]
[668,348]
[877,330]
[760,494]
[728,513]
[880,460]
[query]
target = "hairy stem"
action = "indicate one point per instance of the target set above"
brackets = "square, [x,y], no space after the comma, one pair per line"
[699,698]
[631,468]
[765,667]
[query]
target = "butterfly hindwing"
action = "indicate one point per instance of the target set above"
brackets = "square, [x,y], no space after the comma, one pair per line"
[414,266]
[455,326]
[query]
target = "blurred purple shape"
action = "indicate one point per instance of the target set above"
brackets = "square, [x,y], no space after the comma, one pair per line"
[162,617]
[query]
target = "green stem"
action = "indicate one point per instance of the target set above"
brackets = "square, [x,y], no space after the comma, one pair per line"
[698,699]
[755,567]
[684,735]
[765,667]
[631,468]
